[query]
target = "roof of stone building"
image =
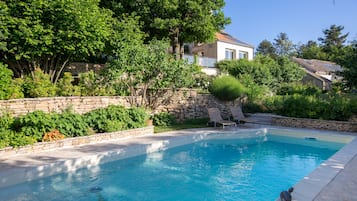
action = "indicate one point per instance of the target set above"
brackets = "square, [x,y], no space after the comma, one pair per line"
[314,65]
[225,37]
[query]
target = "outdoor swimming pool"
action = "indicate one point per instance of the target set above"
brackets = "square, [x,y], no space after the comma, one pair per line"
[218,168]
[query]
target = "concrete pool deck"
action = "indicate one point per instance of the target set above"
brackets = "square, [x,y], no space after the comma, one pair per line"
[335,179]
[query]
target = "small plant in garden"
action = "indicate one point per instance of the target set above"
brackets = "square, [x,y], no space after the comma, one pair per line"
[226,88]
[34,124]
[9,88]
[39,85]
[70,124]
[164,119]
[65,87]
[114,118]
[51,136]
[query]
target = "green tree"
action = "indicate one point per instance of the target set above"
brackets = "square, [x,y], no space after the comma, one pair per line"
[264,70]
[3,28]
[311,50]
[333,38]
[349,64]
[149,72]
[49,33]
[179,20]
[283,45]
[266,48]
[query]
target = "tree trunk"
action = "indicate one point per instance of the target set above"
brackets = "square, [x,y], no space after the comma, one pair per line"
[176,48]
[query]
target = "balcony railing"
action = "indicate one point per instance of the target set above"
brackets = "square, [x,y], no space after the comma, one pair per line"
[201,61]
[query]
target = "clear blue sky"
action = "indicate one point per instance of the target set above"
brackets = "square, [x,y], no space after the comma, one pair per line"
[302,20]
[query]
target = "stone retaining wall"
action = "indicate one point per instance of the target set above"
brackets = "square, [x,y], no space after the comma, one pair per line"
[343,126]
[185,104]
[76,141]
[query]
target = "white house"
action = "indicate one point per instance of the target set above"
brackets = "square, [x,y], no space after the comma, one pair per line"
[225,47]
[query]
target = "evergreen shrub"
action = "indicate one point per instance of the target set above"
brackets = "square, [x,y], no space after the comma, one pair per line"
[226,88]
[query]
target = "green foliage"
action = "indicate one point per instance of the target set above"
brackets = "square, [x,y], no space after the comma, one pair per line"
[92,84]
[266,48]
[14,139]
[39,85]
[70,124]
[283,45]
[114,118]
[253,90]
[349,63]
[226,88]
[9,88]
[34,124]
[296,88]
[164,119]
[5,81]
[312,106]
[65,87]
[47,33]
[180,21]
[148,71]
[263,70]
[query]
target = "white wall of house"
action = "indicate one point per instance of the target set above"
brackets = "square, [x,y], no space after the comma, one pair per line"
[237,49]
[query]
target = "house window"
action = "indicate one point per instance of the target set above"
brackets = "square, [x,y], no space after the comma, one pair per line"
[243,55]
[230,54]
[186,49]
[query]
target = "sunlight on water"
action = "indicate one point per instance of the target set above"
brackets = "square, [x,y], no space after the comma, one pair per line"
[255,169]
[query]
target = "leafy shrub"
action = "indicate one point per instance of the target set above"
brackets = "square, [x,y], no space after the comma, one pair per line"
[39,85]
[92,84]
[14,139]
[253,90]
[264,70]
[316,107]
[70,124]
[65,87]
[226,88]
[9,88]
[138,116]
[295,88]
[164,119]
[115,118]
[17,88]
[5,82]
[35,124]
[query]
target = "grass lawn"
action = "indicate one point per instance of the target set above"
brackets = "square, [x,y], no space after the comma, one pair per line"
[191,123]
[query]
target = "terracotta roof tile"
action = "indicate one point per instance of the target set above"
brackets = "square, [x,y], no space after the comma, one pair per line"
[224,37]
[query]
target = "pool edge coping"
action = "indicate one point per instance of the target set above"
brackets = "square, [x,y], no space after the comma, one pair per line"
[311,190]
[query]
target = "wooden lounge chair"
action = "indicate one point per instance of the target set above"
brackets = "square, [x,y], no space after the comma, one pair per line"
[237,114]
[216,118]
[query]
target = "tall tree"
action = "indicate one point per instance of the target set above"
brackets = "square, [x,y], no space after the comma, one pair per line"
[266,48]
[349,64]
[311,50]
[48,33]
[333,37]
[149,73]
[283,45]
[179,20]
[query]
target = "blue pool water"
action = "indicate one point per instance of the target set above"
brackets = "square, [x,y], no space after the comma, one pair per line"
[240,170]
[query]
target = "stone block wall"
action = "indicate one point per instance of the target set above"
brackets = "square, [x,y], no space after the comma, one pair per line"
[319,124]
[185,104]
